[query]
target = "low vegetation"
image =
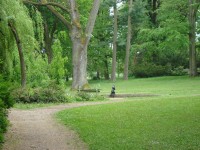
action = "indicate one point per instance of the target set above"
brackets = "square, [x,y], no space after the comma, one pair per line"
[5,103]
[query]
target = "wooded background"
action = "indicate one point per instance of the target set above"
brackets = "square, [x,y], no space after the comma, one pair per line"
[43,41]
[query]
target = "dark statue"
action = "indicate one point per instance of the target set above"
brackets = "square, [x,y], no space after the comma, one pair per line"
[112,94]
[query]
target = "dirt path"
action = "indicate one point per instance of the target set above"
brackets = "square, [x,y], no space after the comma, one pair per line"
[37,129]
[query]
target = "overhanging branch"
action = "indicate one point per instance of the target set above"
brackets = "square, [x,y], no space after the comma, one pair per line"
[50,5]
[45,4]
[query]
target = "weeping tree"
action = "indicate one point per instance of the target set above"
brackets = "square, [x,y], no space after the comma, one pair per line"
[16,26]
[5,38]
[79,35]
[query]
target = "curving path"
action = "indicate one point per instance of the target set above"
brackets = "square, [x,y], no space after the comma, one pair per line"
[37,129]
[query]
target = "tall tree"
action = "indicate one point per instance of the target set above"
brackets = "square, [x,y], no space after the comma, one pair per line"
[128,41]
[193,8]
[153,6]
[80,37]
[113,75]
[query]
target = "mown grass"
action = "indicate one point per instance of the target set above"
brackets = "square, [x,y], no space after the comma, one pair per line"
[169,121]
[166,86]
[33,105]
[141,124]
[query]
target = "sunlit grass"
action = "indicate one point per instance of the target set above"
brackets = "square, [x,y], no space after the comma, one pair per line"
[168,121]
[164,86]
[171,123]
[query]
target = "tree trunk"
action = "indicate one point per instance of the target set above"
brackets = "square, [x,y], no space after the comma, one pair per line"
[192,35]
[153,6]
[128,42]
[48,39]
[113,76]
[106,72]
[80,43]
[21,56]
[98,75]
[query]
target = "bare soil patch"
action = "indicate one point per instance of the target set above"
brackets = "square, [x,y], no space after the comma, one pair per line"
[132,95]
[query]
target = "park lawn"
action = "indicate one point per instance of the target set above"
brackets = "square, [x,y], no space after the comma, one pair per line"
[168,121]
[171,123]
[163,86]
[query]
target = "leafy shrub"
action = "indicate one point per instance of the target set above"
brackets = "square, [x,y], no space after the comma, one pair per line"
[5,93]
[150,70]
[3,120]
[82,96]
[5,102]
[52,93]
[179,71]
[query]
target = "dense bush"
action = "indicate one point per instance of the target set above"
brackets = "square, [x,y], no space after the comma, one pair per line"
[52,93]
[5,103]
[179,71]
[150,70]
[82,96]
[3,120]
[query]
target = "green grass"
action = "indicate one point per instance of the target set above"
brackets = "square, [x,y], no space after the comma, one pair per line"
[141,124]
[33,105]
[165,86]
[170,121]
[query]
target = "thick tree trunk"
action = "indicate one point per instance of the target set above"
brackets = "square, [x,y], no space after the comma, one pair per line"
[80,43]
[21,56]
[113,75]
[192,35]
[79,54]
[128,42]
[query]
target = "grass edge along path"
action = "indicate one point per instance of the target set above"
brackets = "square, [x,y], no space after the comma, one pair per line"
[166,123]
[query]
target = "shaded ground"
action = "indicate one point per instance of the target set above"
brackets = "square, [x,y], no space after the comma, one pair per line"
[133,95]
[37,129]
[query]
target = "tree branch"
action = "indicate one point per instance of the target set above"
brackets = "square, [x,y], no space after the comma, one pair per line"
[45,4]
[50,5]
[91,20]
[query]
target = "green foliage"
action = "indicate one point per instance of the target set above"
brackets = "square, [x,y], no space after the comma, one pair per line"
[37,73]
[15,12]
[83,96]
[52,93]
[179,71]
[3,120]
[150,70]
[38,24]
[5,103]
[5,93]
[57,69]
[167,41]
